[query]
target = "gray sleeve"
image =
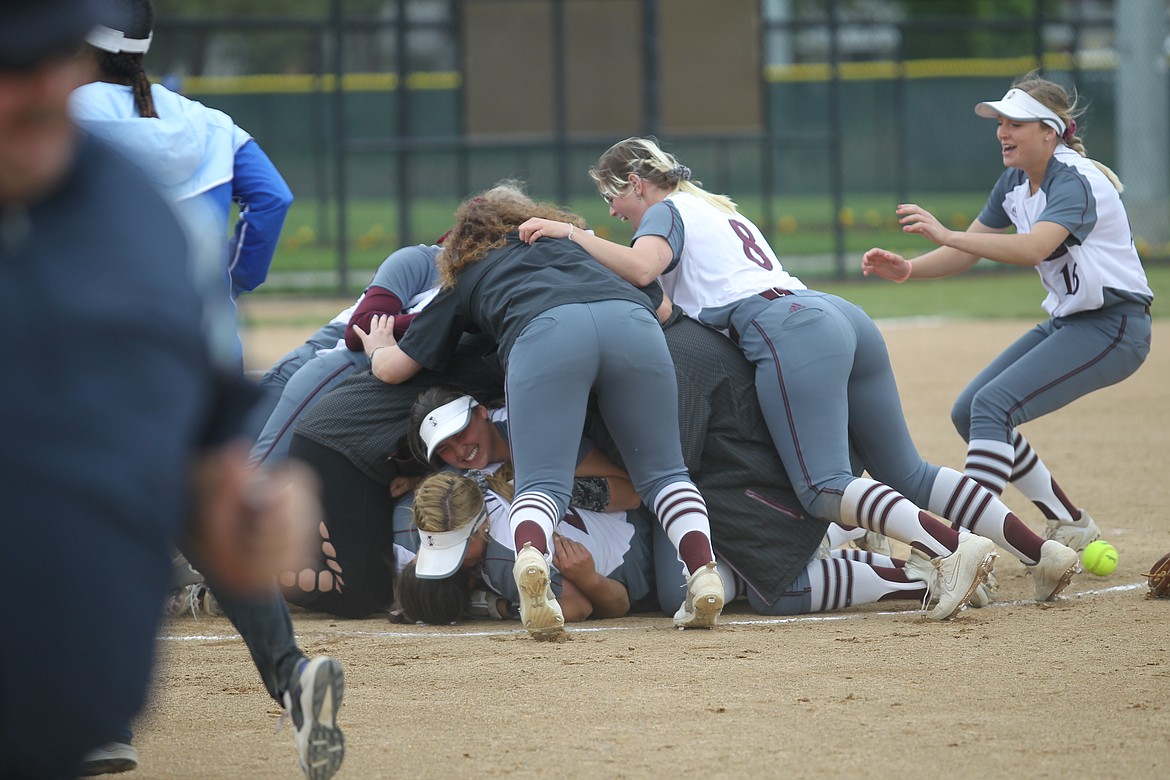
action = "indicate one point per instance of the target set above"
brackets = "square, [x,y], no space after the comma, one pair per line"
[1070,204]
[993,214]
[636,569]
[408,272]
[662,219]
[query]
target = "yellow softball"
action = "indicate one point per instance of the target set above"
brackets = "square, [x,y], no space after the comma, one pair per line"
[1099,558]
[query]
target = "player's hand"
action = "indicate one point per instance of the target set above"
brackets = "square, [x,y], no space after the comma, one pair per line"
[886,264]
[537,228]
[249,524]
[401,485]
[915,219]
[573,560]
[381,333]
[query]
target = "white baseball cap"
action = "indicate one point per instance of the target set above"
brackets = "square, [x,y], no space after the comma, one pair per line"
[1019,105]
[440,554]
[446,421]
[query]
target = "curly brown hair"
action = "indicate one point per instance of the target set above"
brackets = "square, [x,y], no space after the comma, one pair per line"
[484,222]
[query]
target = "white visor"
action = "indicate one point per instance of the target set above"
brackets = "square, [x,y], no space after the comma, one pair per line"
[111,40]
[448,420]
[441,554]
[1019,105]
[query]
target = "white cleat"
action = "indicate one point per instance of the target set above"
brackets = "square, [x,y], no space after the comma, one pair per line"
[952,580]
[1058,565]
[1077,534]
[539,611]
[704,599]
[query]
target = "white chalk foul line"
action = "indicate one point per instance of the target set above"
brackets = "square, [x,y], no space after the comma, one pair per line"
[750,621]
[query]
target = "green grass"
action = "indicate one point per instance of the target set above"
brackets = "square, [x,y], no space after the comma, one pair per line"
[800,227]
[801,234]
[998,294]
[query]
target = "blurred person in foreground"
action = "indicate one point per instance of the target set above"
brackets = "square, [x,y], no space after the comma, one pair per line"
[118,430]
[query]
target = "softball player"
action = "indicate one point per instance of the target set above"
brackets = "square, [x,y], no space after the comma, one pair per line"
[201,160]
[564,327]
[1071,226]
[402,285]
[823,376]
[601,560]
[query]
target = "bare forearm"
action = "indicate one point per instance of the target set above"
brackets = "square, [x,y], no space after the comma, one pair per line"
[637,267]
[609,597]
[941,262]
[392,365]
[1026,249]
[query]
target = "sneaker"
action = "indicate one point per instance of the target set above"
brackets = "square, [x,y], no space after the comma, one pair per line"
[313,705]
[111,759]
[1076,534]
[1058,564]
[951,580]
[878,544]
[196,599]
[539,610]
[986,591]
[704,599]
[183,573]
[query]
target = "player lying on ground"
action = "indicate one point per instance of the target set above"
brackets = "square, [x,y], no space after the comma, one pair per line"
[600,560]
[565,327]
[401,287]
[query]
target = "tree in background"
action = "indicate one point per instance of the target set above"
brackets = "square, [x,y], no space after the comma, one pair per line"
[953,39]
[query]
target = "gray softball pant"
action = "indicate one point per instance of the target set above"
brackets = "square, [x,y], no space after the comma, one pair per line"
[1050,366]
[824,379]
[615,348]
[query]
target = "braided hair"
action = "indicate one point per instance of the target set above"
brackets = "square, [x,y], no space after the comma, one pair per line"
[120,67]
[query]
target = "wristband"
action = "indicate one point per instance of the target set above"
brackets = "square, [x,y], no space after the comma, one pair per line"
[909,270]
[570,236]
[374,351]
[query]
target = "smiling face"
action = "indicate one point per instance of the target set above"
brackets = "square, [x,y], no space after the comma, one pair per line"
[476,446]
[1025,145]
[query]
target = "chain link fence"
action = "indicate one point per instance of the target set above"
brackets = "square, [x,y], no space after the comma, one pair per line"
[816,116]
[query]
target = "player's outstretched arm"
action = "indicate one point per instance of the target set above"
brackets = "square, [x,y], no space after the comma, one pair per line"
[639,264]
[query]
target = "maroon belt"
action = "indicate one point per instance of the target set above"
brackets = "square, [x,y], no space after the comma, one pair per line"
[774,293]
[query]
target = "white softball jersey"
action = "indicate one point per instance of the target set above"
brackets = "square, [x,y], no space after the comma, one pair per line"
[719,258]
[1099,252]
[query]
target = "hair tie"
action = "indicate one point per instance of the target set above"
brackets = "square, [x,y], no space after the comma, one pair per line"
[1071,130]
[681,172]
[480,479]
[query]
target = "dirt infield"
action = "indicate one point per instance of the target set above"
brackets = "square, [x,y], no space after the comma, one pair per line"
[1016,689]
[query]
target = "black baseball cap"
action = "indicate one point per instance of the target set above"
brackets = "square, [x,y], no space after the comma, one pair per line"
[32,31]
